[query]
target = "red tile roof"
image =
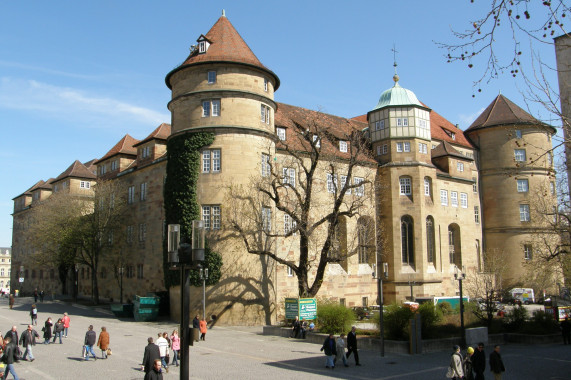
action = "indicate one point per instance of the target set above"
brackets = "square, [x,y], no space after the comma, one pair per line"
[125,146]
[446,149]
[226,45]
[76,170]
[162,132]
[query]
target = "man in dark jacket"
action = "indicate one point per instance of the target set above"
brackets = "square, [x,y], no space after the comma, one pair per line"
[90,339]
[13,334]
[10,357]
[352,344]
[330,349]
[496,363]
[152,354]
[479,362]
[196,328]
[155,373]
[27,340]
[566,330]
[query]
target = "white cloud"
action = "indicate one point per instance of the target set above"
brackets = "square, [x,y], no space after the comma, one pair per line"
[73,105]
[467,120]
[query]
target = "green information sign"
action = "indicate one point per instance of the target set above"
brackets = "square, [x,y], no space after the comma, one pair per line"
[307,308]
[291,308]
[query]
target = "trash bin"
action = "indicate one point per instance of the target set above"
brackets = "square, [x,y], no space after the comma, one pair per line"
[146,309]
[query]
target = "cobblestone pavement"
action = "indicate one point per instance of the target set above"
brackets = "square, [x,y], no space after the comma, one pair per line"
[242,353]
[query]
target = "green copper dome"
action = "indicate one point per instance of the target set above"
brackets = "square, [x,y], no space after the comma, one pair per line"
[397,96]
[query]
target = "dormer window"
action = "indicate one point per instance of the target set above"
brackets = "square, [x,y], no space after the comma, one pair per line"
[450,134]
[146,152]
[343,146]
[203,45]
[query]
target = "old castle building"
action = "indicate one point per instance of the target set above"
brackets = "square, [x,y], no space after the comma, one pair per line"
[431,197]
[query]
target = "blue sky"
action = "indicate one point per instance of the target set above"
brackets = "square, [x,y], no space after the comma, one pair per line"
[76,76]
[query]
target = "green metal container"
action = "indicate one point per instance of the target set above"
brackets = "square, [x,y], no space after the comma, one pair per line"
[146,309]
[122,310]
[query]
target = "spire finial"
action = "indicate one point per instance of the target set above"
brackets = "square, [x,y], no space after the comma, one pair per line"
[223,13]
[396,76]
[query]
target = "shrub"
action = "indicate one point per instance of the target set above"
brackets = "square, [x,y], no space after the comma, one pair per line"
[515,318]
[445,308]
[541,323]
[334,318]
[430,315]
[396,319]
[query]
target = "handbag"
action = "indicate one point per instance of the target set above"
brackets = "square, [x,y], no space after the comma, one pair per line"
[109,352]
[450,373]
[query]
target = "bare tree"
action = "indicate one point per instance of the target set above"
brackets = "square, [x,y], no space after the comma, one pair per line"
[69,228]
[316,188]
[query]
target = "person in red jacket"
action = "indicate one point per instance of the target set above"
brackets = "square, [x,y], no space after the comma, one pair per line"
[65,320]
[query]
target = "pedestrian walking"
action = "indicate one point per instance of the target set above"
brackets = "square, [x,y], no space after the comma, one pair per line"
[89,342]
[566,330]
[196,327]
[47,329]
[496,363]
[9,357]
[479,362]
[340,347]
[42,296]
[103,342]
[175,346]
[203,327]
[13,335]
[58,330]
[352,345]
[163,350]
[11,301]
[330,350]
[468,365]
[66,321]
[27,340]
[152,353]
[455,369]
[34,315]
[155,373]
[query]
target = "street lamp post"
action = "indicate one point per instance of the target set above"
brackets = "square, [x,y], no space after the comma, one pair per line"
[181,257]
[379,277]
[460,276]
[203,276]
[411,283]
[21,279]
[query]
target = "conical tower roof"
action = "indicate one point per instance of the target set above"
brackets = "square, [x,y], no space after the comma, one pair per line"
[226,45]
[503,111]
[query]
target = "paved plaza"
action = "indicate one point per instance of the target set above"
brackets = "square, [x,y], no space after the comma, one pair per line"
[241,353]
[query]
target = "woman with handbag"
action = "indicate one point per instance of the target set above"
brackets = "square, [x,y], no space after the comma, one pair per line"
[103,342]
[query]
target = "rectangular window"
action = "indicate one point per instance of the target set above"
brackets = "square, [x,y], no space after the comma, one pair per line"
[289,176]
[454,199]
[114,165]
[405,186]
[289,225]
[519,155]
[281,132]
[343,182]
[331,183]
[527,252]
[360,190]
[266,168]
[265,114]
[552,187]
[378,150]
[550,159]
[289,271]
[130,234]
[379,125]
[211,217]
[143,194]
[216,107]
[422,148]
[522,186]
[211,77]
[524,213]
[343,146]
[407,147]
[402,122]
[385,149]
[464,200]
[266,219]
[142,232]
[205,108]
[518,133]
[140,271]
[427,187]
[460,166]
[84,184]
[399,147]
[475,185]
[317,141]
[265,84]
[211,107]
[477,214]
[131,194]
[444,197]
[211,161]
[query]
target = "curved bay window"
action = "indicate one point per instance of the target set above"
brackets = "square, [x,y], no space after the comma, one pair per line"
[407,240]
[430,241]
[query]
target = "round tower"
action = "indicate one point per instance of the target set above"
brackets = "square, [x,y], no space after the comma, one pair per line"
[224,89]
[517,182]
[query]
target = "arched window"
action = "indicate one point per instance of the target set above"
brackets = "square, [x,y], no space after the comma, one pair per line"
[407,240]
[454,245]
[430,241]
[405,184]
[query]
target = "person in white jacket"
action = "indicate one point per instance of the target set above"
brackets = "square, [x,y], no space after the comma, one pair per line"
[340,346]
[456,364]
[163,350]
